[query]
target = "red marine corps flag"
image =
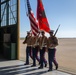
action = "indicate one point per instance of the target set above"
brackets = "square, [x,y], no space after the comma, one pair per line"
[33,21]
[43,22]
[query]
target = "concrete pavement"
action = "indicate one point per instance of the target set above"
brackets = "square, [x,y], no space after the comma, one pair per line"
[16,67]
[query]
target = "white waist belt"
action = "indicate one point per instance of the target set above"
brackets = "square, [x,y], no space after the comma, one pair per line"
[44,46]
[51,47]
[29,45]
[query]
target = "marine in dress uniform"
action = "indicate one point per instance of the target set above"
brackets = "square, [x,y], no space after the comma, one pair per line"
[27,41]
[51,44]
[42,46]
[35,49]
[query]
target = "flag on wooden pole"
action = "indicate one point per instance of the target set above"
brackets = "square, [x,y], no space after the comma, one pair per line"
[41,16]
[33,21]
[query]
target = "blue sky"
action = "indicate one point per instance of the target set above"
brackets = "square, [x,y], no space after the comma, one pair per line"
[57,11]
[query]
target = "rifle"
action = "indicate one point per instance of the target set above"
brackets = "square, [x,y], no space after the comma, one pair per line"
[57,30]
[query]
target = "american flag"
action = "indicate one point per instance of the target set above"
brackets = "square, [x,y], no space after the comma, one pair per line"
[33,21]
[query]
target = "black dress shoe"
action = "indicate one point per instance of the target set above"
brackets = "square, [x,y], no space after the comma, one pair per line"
[26,63]
[56,67]
[33,65]
[46,65]
[50,70]
[40,67]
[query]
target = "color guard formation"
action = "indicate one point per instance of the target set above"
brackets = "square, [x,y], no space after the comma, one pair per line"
[41,44]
